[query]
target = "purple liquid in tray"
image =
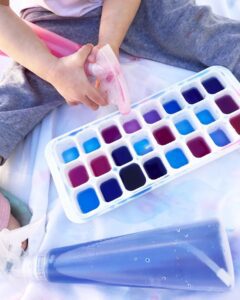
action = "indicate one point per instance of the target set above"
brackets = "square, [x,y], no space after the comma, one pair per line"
[111,134]
[131,126]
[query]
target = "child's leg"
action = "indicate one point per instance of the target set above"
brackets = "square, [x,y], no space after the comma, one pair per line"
[26,99]
[180,33]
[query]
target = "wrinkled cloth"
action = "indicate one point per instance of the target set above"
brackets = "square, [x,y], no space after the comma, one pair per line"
[212,191]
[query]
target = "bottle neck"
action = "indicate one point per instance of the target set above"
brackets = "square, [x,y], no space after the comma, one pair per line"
[34,268]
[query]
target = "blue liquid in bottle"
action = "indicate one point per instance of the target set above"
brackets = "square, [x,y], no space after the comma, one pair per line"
[190,257]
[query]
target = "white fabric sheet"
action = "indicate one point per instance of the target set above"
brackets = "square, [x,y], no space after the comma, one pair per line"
[212,191]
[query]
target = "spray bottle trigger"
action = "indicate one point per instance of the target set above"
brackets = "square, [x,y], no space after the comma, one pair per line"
[108,71]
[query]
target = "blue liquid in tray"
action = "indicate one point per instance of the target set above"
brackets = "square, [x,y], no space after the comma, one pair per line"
[192,96]
[132,177]
[189,257]
[91,145]
[184,127]
[205,117]
[155,168]
[143,147]
[152,116]
[172,107]
[111,189]
[220,138]
[212,85]
[70,154]
[121,156]
[87,200]
[176,158]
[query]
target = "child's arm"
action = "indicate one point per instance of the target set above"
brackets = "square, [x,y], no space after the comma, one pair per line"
[65,74]
[117,16]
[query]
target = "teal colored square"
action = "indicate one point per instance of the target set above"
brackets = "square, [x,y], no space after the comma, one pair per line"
[87,200]
[91,145]
[184,127]
[70,154]
[143,147]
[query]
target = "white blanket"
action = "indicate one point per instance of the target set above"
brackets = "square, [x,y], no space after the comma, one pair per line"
[212,191]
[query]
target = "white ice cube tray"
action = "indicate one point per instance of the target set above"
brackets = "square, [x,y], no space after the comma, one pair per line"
[116,159]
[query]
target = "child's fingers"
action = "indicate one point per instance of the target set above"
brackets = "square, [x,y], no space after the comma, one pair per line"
[84,100]
[90,95]
[72,102]
[93,55]
[83,53]
[88,102]
[91,58]
[96,97]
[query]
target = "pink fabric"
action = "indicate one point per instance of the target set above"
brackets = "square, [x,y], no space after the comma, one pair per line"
[4,212]
[66,8]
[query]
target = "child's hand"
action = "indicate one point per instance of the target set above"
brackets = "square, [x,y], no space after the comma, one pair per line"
[67,75]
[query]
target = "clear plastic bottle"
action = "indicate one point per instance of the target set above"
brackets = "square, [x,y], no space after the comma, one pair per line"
[190,257]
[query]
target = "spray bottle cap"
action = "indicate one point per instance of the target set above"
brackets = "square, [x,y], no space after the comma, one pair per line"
[11,244]
[108,71]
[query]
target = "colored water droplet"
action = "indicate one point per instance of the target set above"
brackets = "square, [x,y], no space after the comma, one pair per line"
[147,260]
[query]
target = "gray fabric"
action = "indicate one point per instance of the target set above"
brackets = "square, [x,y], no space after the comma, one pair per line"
[174,32]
